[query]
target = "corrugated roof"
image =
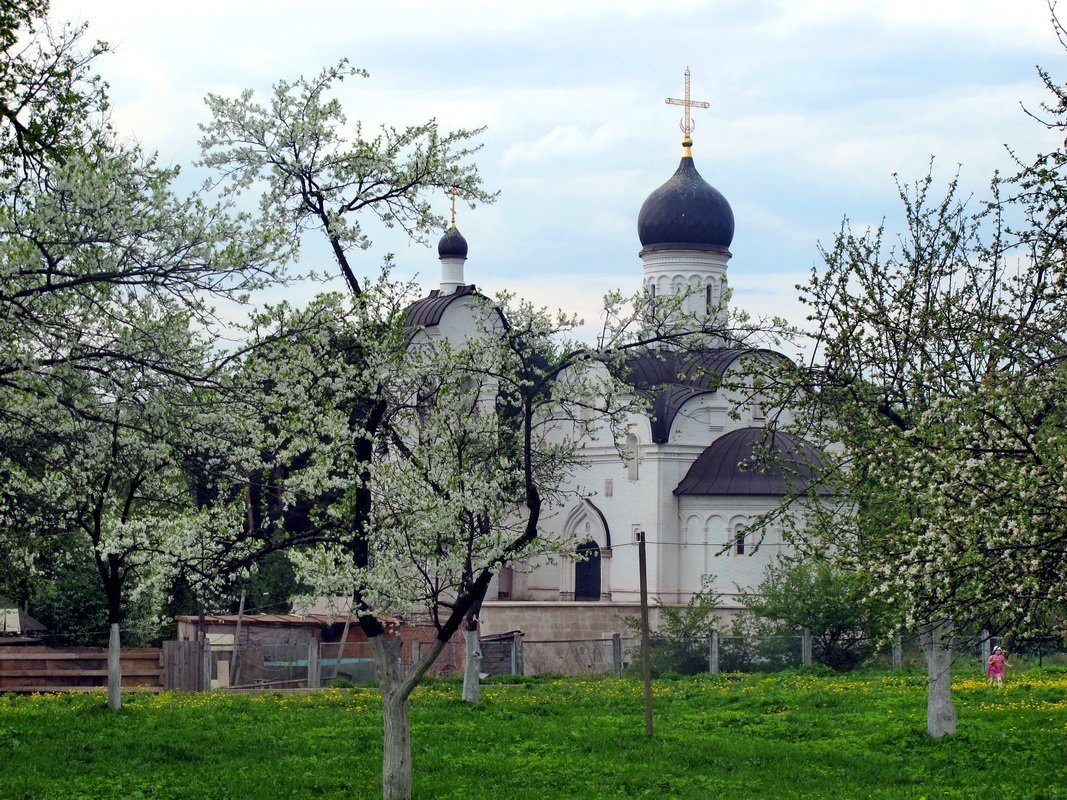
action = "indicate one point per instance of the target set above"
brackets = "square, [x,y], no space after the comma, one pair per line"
[295,620]
[428,311]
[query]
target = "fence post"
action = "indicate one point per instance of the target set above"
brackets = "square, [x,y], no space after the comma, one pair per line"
[898,652]
[713,653]
[805,648]
[987,644]
[314,681]
[616,654]
[205,664]
[516,654]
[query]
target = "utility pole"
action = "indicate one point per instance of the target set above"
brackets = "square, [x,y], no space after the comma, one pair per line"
[646,650]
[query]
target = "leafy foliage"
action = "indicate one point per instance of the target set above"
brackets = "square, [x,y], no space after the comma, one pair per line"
[681,640]
[72,605]
[938,401]
[319,176]
[835,605]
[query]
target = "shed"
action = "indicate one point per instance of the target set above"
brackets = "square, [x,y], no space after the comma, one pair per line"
[289,649]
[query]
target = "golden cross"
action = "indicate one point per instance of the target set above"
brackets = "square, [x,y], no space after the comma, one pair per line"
[687,123]
[453,194]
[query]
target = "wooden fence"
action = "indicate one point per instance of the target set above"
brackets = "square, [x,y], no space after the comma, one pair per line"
[74,669]
[183,666]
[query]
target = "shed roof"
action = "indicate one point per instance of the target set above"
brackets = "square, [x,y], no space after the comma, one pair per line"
[291,620]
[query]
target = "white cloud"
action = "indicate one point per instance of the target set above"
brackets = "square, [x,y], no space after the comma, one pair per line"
[814,104]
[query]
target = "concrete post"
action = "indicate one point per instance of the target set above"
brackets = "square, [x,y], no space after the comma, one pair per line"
[616,654]
[987,648]
[713,653]
[205,664]
[314,681]
[805,648]
[898,652]
[517,665]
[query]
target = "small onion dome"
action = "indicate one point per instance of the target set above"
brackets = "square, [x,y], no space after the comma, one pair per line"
[452,244]
[686,213]
[755,461]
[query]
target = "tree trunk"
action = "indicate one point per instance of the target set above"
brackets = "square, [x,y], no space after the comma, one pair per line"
[472,671]
[114,669]
[396,756]
[396,688]
[940,711]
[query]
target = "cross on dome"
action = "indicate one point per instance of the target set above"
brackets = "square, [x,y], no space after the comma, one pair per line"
[452,195]
[687,125]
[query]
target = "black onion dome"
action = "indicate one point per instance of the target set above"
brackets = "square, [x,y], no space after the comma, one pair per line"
[452,244]
[755,461]
[686,213]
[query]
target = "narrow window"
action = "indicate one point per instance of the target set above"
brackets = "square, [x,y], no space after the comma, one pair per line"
[504,580]
[739,543]
[707,299]
[631,456]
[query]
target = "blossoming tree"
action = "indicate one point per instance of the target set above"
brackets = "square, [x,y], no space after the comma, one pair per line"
[938,395]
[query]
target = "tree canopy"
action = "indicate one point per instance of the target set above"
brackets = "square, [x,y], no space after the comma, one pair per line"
[937,398]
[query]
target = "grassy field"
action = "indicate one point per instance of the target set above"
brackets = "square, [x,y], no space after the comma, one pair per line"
[754,736]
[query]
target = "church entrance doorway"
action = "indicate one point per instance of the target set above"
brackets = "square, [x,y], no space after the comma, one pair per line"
[587,572]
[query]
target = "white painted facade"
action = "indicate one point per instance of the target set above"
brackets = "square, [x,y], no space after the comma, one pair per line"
[692,540]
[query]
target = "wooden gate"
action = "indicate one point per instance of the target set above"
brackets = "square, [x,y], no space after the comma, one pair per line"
[183,669]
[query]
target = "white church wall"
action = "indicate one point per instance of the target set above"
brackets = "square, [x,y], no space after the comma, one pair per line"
[712,527]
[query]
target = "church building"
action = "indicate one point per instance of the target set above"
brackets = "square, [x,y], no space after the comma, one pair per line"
[688,478]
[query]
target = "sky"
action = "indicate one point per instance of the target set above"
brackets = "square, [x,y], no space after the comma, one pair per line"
[815,105]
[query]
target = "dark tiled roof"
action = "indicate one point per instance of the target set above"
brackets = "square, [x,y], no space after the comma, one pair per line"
[754,461]
[671,379]
[427,312]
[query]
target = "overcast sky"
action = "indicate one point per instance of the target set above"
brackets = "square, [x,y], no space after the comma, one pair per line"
[814,105]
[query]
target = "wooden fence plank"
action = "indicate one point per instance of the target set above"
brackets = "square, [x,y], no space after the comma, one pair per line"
[44,669]
[181,666]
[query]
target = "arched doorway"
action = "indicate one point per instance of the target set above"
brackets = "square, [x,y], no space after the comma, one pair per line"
[587,572]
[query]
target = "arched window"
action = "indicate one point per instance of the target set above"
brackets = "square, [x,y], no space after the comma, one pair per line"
[739,542]
[587,572]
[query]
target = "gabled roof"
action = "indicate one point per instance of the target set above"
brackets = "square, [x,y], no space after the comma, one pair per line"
[755,461]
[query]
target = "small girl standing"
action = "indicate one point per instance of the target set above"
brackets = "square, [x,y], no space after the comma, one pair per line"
[996,665]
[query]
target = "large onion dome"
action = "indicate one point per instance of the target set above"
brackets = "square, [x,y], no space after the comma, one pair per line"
[686,213]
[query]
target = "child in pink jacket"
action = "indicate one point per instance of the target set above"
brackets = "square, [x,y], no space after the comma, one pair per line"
[996,665]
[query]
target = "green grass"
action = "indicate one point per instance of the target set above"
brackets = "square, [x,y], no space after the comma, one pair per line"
[759,736]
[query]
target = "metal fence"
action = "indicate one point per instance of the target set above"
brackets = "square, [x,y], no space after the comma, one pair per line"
[314,665]
[725,653]
[303,666]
